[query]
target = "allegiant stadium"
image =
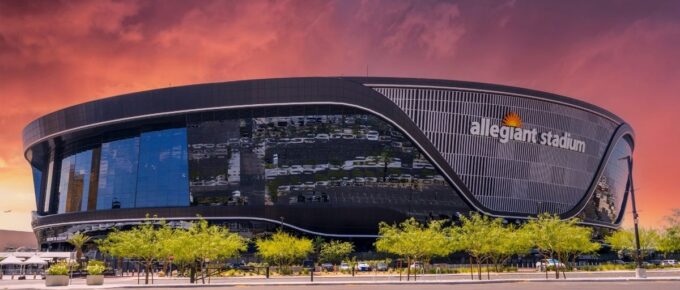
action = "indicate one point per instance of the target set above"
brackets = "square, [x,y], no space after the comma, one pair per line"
[326,156]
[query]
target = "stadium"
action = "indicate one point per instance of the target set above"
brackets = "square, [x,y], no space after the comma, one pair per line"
[326,156]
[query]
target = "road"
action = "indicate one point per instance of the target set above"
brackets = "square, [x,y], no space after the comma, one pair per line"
[661,285]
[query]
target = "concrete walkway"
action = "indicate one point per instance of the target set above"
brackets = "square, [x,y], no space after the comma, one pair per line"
[575,277]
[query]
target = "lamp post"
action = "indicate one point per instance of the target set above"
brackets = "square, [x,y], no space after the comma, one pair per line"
[639,271]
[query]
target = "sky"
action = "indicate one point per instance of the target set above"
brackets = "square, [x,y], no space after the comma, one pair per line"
[621,55]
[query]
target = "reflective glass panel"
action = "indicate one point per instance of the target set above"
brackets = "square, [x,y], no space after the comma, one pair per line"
[118,174]
[37,179]
[67,169]
[163,171]
[313,158]
[606,204]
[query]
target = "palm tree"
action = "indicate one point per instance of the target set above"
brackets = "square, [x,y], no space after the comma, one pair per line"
[78,240]
[385,158]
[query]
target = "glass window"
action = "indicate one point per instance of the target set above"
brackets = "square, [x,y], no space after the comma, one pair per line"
[37,179]
[67,169]
[163,170]
[118,174]
[80,182]
[305,158]
[48,187]
[607,201]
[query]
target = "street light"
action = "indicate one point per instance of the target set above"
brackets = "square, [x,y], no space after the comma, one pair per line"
[639,271]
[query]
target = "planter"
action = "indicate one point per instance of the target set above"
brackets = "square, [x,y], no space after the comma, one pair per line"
[95,280]
[56,280]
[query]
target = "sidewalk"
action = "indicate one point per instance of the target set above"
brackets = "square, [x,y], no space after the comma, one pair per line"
[131,282]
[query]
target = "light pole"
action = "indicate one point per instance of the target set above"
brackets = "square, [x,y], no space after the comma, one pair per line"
[639,271]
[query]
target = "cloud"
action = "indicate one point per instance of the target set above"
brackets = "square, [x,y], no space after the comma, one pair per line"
[621,55]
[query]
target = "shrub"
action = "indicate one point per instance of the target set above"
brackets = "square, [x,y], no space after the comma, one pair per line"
[60,268]
[95,267]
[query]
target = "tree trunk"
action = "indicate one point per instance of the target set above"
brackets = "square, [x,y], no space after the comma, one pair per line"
[192,273]
[408,269]
[488,276]
[146,272]
[479,268]
[472,272]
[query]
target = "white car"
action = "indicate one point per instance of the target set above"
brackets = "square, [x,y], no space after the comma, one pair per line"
[668,263]
[542,264]
[363,266]
[344,267]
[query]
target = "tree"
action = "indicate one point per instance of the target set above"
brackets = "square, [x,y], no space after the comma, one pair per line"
[414,241]
[385,157]
[78,240]
[557,239]
[145,242]
[479,236]
[623,241]
[576,240]
[510,240]
[669,240]
[283,249]
[335,251]
[201,244]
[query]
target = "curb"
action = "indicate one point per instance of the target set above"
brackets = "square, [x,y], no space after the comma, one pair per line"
[360,282]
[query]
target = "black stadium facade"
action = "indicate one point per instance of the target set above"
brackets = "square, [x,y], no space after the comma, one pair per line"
[325,156]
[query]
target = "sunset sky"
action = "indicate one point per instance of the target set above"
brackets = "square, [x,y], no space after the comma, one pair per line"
[621,55]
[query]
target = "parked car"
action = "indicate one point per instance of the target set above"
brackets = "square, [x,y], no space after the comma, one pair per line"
[363,266]
[668,263]
[544,263]
[327,267]
[381,267]
[308,264]
[417,265]
[344,267]
[655,262]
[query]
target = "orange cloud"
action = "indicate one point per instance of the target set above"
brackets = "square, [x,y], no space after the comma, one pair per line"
[622,56]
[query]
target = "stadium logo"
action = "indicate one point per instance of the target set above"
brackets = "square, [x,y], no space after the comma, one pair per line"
[510,129]
[512,119]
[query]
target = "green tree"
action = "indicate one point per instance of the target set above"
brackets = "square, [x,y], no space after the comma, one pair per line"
[203,243]
[145,242]
[623,241]
[78,240]
[335,251]
[414,241]
[669,240]
[557,239]
[283,249]
[510,240]
[479,236]
[576,240]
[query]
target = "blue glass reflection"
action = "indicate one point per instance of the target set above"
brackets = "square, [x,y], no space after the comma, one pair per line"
[67,169]
[81,180]
[37,182]
[163,170]
[118,174]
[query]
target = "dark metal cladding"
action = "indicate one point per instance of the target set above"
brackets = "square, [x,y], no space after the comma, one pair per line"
[329,156]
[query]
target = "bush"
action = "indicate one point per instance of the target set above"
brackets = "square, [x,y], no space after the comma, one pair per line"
[60,268]
[95,267]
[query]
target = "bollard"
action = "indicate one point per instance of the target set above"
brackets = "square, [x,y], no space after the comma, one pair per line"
[266,273]
[311,271]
